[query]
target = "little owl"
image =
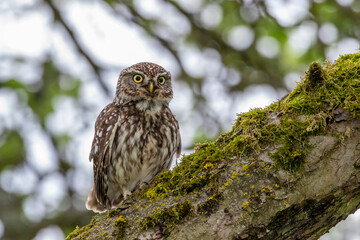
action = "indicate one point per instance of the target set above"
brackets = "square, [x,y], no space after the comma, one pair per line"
[136,136]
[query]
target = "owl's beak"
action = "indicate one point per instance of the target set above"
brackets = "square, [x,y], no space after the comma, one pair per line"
[151,87]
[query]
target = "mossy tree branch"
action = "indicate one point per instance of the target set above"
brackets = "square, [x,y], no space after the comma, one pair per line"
[289,171]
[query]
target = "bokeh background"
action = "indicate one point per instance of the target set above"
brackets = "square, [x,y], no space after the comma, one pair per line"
[59,63]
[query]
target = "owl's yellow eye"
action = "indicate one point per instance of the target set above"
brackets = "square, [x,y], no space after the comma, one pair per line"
[138,78]
[161,80]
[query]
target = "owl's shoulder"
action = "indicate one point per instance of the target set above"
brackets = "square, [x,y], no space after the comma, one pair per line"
[104,126]
[109,113]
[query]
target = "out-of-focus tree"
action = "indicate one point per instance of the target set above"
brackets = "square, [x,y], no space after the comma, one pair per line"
[223,50]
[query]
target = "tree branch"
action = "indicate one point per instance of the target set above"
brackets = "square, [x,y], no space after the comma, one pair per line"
[289,171]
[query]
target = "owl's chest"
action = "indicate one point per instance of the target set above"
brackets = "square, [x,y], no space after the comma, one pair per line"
[140,140]
[142,149]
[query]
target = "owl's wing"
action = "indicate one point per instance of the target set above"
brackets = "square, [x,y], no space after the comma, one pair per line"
[178,147]
[106,126]
[178,139]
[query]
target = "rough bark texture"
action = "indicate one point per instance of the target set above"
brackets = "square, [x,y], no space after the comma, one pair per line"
[289,171]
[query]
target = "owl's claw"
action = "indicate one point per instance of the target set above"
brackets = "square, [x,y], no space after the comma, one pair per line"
[115,203]
[143,185]
[126,193]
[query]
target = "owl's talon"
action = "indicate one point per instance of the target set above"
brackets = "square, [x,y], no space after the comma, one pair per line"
[143,185]
[115,203]
[123,207]
[126,193]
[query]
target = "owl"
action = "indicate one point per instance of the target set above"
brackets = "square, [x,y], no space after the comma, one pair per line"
[136,136]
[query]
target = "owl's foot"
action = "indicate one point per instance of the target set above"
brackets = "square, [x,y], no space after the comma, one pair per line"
[143,185]
[121,203]
[126,193]
[115,202]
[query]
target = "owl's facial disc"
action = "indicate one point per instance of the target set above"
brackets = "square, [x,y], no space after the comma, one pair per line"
[146,83]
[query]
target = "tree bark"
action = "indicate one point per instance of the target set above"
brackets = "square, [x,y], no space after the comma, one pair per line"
[289,171]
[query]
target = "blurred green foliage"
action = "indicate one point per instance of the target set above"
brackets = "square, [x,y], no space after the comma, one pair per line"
[12,150]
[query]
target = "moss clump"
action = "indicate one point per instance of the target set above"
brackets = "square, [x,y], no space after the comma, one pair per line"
[289,158]
[168,216]
[196,182]
[94,219]
[78,231]
[121,224]
[211,205]
[112,213]
[290,132]
[194,172]
[246,206]
[340,86]
[159,191]
[209,166]
[315,76]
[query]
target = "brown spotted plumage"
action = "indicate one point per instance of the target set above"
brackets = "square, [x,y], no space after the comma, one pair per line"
[136,136]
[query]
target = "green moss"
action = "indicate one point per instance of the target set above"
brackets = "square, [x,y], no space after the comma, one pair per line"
[169,215]
[211,205]
[339,86]
[249,120]
[289,158]
[195,182]
[94,219]
[159,190]
[241,145]
[193,173]
[121,224]
[101,235]
[315,76]
[78,231]
[246,206]
[112,213]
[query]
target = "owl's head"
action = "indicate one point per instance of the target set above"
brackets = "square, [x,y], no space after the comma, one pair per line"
[146,83]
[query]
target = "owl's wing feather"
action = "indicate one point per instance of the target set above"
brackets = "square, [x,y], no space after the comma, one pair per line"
[106,127]
[178,140]
[177,135]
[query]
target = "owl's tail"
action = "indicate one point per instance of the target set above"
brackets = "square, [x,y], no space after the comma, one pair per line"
[92,203]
